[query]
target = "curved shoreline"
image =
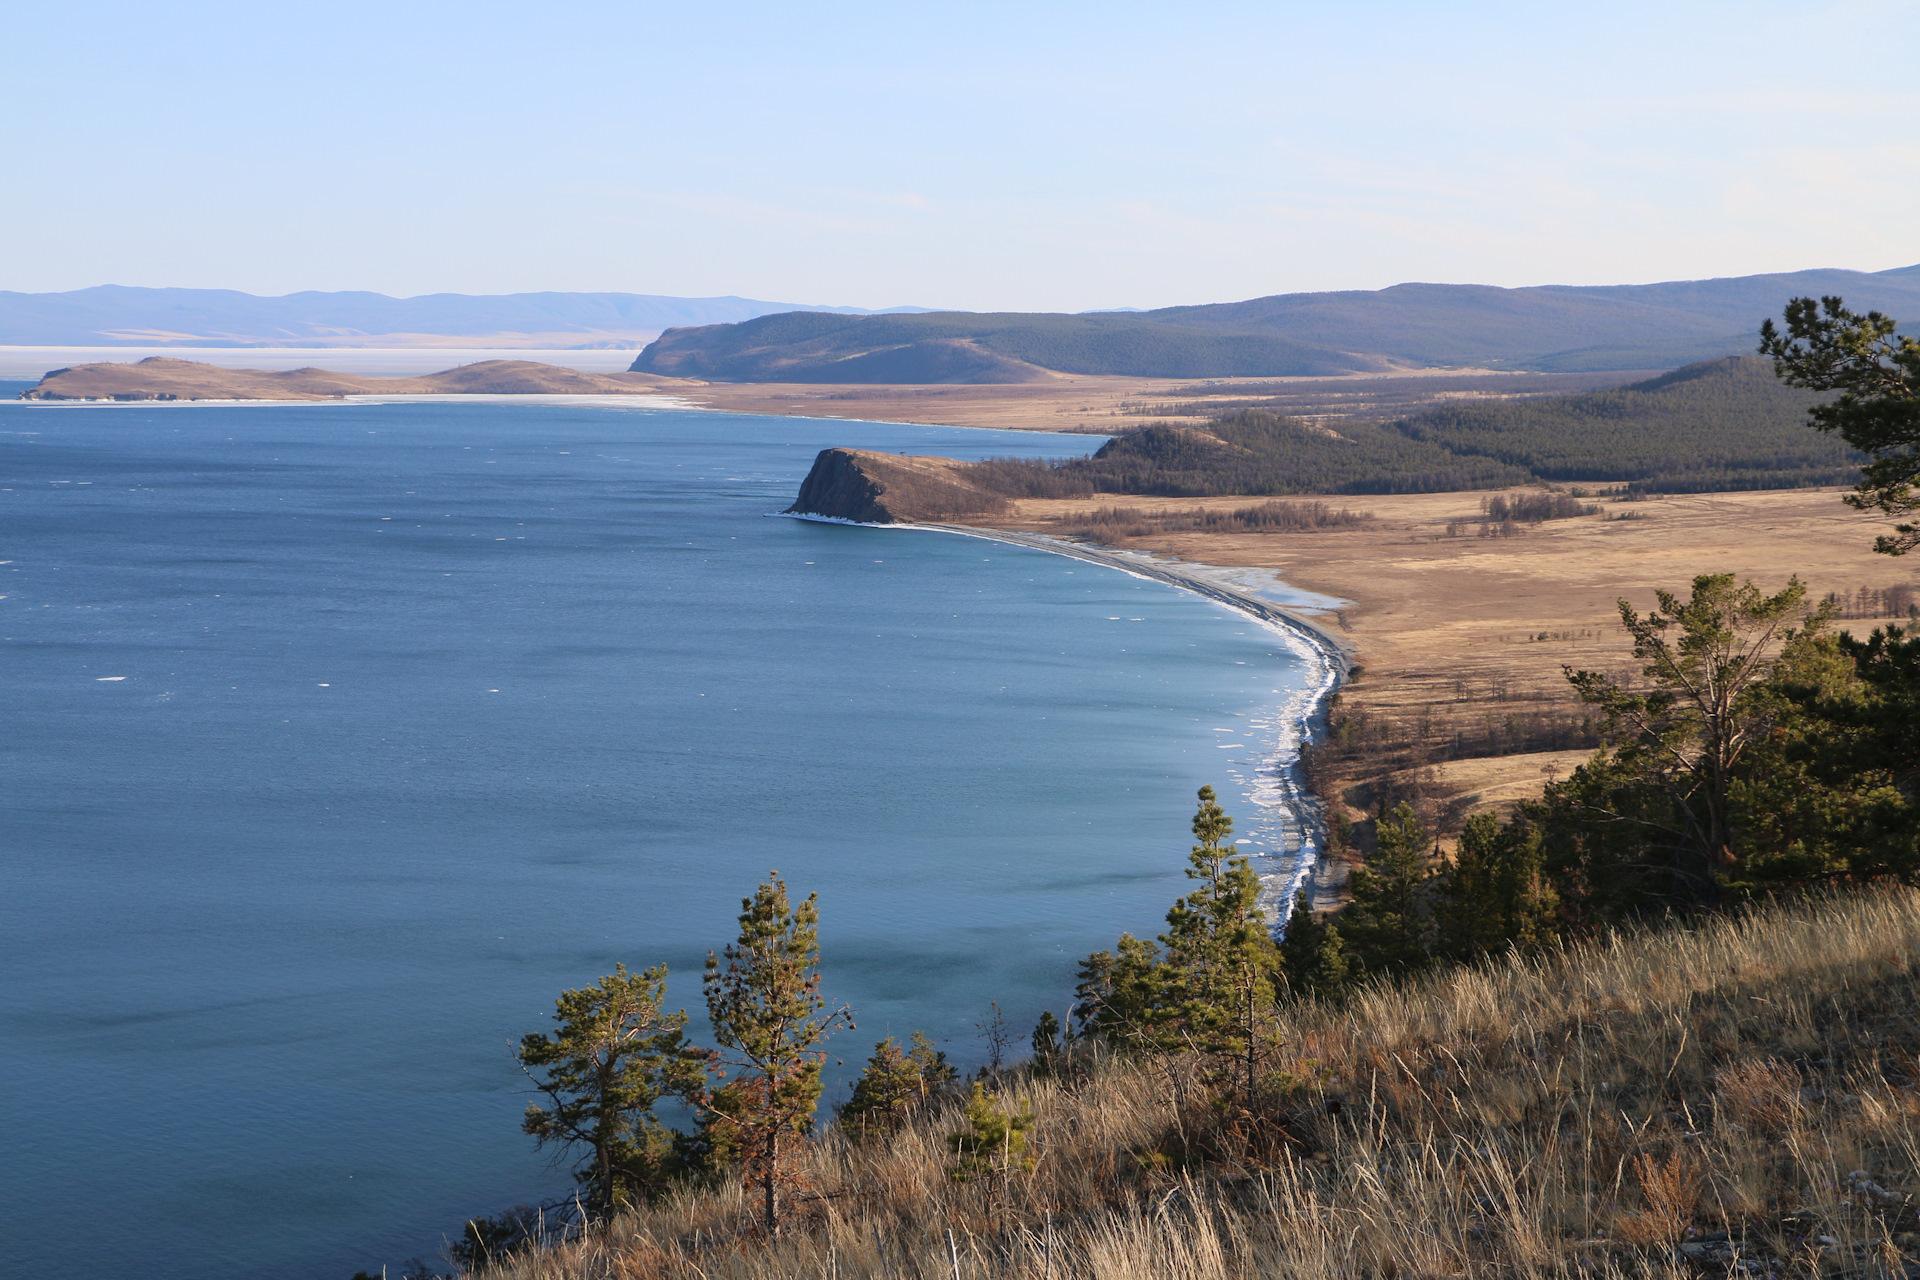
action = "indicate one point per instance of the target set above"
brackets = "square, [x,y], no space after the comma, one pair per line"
[1279,784]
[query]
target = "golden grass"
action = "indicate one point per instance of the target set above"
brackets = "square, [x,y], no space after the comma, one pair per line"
[1739,1095]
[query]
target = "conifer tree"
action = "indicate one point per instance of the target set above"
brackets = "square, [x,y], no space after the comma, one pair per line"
[994,1143]
[894,1084]
[767,1012]
[616,1054]
[1684,738]
[1388,925]
[1122,994]
[936,1073]
[1876,370]
[1495,895]
[1218,947]
[1313,957]
[1047,1046]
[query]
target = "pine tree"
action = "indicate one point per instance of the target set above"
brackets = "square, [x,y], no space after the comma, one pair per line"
[1313,958]
[766,1009]
[617,1053]
[883,1096]
[994,1143]
[1218,947]
[895,1083]
[1876,370]
[1388,925]
[936,1073]
[1683,739]
[1122,994]
[1047,1046]
[1495,895]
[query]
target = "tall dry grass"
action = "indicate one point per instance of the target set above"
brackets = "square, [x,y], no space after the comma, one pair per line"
[1738,1098]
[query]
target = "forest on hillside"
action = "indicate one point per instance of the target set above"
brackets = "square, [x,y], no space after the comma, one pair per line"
[1714,426]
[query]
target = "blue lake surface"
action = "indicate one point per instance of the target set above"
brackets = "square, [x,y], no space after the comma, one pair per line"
[338,739]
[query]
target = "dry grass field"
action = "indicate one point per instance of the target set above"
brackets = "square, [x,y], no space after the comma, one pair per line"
[1099,404]
[1740,1099]
[1467,634]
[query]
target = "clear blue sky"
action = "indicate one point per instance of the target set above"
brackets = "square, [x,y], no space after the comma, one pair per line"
[980,155]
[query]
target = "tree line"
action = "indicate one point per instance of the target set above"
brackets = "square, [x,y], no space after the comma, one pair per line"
[1717,426]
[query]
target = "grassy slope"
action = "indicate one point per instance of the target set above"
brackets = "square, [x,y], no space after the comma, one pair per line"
[1638,1105]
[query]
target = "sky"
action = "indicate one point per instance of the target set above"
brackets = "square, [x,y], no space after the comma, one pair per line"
[1021,156]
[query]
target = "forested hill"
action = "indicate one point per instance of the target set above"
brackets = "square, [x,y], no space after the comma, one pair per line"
[1548,328]
[1713,426]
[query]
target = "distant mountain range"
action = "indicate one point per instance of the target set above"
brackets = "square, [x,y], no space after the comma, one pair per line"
[1548,328]
[117,315]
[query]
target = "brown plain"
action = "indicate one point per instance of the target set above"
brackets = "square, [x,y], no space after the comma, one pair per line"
[1099,404]
[1465,626]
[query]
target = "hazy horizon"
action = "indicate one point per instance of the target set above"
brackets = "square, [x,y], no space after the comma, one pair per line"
[909,305]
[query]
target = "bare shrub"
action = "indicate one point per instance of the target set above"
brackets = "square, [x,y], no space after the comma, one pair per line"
[1763,1092]
[1669,1192]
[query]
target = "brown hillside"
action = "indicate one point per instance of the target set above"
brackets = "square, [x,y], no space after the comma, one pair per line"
[885,488]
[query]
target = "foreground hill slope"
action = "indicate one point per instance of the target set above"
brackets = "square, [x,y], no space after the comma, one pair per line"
[1743,1097]
[163,378]
[1549,328]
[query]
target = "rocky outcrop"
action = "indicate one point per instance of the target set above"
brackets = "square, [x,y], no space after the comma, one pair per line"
[885,488]
[164,378]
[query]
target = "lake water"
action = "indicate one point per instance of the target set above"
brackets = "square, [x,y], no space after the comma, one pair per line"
[339,739]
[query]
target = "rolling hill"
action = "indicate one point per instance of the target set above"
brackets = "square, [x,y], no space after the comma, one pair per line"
[1550,328]
[965,346]
[1554,328]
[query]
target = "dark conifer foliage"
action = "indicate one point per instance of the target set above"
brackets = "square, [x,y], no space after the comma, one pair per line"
[616,1054]
[769,1018]
[1876,370]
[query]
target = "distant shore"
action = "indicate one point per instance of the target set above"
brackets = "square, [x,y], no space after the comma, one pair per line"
[161,378]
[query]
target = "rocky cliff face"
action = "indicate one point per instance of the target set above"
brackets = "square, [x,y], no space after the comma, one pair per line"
[884,488]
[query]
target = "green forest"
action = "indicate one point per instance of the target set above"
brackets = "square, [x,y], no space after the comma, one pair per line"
[1715,426]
